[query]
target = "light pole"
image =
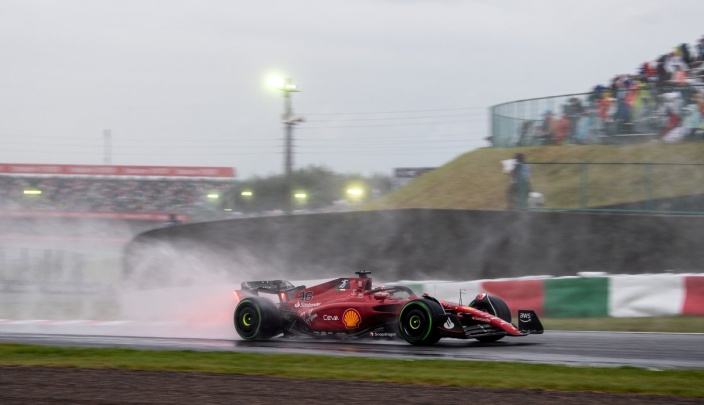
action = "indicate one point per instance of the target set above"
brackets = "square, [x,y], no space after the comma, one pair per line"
[287,87]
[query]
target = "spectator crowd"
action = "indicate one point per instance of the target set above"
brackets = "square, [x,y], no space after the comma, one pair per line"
[664,98]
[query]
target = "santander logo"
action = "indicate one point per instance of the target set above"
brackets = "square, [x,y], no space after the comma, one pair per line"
[351,318]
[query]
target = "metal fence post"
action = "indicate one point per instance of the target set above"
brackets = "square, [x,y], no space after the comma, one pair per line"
[648,187]
[583,192]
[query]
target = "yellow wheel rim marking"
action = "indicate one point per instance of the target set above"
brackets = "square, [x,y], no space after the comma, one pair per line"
[414,322]
[247,319]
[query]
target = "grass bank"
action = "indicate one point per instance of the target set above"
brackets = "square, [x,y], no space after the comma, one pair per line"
[685,383]
[475,180]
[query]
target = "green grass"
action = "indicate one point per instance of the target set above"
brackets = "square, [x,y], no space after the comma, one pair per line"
[677,324]
[475,180]
[685,383]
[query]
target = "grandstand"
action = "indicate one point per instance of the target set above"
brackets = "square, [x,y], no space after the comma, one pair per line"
[148,193]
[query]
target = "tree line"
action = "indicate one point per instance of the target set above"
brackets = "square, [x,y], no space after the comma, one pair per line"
[316,187]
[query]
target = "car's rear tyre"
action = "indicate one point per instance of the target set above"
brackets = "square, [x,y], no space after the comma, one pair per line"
[416,322]
[257,318]
[498,308]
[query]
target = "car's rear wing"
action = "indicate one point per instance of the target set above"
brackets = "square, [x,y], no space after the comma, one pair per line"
[270,286]
[282,288]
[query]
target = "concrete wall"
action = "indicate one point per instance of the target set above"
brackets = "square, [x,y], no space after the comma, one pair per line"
[426,244]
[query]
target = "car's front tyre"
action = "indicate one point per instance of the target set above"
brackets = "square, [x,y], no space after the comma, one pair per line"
[257,318]
[499,308]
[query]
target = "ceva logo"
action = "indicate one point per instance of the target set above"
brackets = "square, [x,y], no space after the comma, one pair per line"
[351,318]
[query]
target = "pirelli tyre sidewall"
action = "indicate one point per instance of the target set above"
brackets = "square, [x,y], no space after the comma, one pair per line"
[257,318]
[416,322]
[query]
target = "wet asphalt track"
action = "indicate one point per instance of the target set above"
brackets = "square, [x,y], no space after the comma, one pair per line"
[648,350]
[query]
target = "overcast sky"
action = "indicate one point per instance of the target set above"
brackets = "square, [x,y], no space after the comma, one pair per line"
[384,83]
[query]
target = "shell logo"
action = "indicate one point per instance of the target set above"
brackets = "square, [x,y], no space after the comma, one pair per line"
[351,318]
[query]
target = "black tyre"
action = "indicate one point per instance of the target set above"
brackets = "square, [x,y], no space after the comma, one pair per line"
[416,322]
[257,318]
[498,308]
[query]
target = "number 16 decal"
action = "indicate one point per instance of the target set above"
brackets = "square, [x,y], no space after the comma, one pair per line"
[305,295]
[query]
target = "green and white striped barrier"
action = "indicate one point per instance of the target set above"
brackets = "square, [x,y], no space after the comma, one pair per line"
[582,297]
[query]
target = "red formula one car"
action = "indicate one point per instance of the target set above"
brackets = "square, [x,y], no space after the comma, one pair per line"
[350,307]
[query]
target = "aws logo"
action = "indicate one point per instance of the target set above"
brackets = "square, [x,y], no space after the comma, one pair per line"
[351,318]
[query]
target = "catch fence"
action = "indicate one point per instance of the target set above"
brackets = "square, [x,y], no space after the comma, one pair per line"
[625,115]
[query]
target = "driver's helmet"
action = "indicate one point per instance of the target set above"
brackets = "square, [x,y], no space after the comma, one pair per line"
[387,293]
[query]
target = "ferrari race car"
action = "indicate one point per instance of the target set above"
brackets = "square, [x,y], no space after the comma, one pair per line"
[350,307]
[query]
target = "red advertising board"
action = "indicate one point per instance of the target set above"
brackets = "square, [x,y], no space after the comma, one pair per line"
[130,171]
[519,294]
[693,296]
